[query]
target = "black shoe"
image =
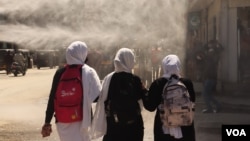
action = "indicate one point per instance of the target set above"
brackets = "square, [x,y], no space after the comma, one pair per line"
[216,110]
[207,111]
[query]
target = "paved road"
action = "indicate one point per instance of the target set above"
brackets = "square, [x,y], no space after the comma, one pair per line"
[23,100]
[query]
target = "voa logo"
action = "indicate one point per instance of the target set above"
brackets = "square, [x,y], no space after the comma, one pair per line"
[236,132]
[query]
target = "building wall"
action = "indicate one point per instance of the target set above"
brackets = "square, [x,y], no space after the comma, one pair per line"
[229,38]
[225,13]
[213,19]
[223,27]
[238,3]
[227,35]
[233,48]
[232,52]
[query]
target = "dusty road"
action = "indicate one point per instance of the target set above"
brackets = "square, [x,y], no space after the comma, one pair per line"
[22,104]
[23,101]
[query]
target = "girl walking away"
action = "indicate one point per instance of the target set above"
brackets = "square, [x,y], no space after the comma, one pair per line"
[70,101]
[171,68]
[118,112]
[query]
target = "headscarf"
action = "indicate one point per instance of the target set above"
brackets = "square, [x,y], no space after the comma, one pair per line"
[76,53]
[124,60]
[171,65]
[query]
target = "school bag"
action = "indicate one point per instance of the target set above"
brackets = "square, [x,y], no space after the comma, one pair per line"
[69,95]
[176,108]
[122,105]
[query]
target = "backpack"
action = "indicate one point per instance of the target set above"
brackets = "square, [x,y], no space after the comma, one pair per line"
[176,108]
[122,105]
[69,95]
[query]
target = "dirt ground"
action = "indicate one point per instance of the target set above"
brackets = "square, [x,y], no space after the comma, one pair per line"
[18,132]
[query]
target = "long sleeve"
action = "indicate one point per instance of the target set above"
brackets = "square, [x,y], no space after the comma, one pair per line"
[153,97]
[50,105]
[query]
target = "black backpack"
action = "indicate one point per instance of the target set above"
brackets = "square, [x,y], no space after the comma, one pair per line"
[122,104]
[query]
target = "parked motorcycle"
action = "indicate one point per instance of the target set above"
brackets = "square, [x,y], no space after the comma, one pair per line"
[17,68]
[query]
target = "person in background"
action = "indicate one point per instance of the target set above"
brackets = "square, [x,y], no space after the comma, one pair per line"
[8,61]
[210,63]
[76,54]
[20,59]
[105,123]
[171,66]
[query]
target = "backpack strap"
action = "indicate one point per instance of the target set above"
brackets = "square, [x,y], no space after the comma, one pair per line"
[173,77]
[75,65]
[79,66]
[169,80]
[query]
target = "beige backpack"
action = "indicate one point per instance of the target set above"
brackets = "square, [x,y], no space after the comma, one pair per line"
[176,108]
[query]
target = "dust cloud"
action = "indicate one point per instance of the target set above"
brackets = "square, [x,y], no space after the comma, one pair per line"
[100,23]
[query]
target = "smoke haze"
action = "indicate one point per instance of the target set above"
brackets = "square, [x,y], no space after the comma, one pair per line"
[100,23]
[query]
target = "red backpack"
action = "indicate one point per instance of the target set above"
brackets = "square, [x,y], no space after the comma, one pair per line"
[69,95]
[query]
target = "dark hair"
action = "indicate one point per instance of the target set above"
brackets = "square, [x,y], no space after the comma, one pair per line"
[86,60]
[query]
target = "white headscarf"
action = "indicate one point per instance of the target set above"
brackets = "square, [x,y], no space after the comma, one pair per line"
[76,53]
[171,65]
[124,60]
